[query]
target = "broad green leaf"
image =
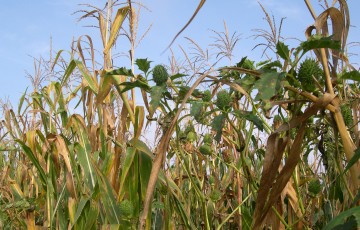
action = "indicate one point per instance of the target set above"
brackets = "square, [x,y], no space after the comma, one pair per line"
[61,104]
[250,117]
[283,51]
[120,71]
[156,95]
[145,166]
[85,162]
[217,125]
[80,209]
[141,147]
[316,42]
[352,75]
[143,64]
[68,71]
[196,108]
[176,76]
[108,198]
[126,165]
[342,217]
[268,85]
[135,84]
[83,148]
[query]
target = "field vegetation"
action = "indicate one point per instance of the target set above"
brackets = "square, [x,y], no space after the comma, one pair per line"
[252,144]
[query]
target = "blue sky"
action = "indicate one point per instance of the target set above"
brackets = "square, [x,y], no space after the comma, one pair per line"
[28,25]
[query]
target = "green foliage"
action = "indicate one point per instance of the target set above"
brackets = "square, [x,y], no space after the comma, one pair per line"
[268,85]
[81,152]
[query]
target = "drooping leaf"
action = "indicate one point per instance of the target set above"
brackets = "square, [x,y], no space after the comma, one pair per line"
[116,25]
[90,81]
[196,108]
[108,198]
[352,75]
[176,76]
[217,125]
[268,85]
[156,95]
[250,117]
[316,42]
[135,84]
[353,160]
[342,217]
[68,71]
[143,64]
[120,71]
[34,160]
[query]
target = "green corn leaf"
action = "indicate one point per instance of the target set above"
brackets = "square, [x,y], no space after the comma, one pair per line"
[68,71]
[145,165]
[83,149]
[91,82]
[80,209]
[342,217]
[111,207]
[142,147]
[126,165]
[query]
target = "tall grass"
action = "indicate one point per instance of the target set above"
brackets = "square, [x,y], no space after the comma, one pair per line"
[248,145]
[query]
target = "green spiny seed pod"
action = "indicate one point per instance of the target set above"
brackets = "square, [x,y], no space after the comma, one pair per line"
[191,136]
[160,74]
[207,96]
[205,149]
[347,114]
[126,208]
[215,195]
[309,69]
[223,100]
[314,187]
[208,138]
